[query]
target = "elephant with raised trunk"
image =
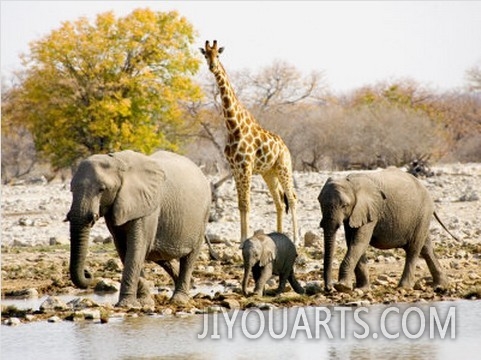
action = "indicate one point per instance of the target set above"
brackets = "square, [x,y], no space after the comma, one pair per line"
[266,255]
[156,208]
[385,209]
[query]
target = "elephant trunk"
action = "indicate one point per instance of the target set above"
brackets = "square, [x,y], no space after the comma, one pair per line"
[329,249]
[79,236]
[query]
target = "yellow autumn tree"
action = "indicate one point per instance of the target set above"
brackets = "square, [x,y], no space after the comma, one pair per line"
[107,85]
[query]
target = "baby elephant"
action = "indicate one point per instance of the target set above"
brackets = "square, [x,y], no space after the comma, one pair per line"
[267,255]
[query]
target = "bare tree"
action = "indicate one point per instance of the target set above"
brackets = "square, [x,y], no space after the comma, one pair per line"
[473,76]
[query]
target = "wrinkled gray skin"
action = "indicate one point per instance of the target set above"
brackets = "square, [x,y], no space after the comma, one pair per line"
[156,208]
[386,209]
[267,255]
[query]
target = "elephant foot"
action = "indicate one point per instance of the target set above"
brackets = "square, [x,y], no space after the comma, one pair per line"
[129,303]
[147,301]
[180,298]
[342,287]
[300,290]
[363,286]
[405,285]
[440,283]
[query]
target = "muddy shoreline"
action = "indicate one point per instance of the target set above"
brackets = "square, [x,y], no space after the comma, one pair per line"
[35,253]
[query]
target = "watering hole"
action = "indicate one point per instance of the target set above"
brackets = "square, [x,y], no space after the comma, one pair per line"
[438,330]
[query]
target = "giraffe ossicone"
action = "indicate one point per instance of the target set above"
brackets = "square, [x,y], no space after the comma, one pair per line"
[251,149]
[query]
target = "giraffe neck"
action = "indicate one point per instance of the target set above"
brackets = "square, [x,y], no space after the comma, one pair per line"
[235,114]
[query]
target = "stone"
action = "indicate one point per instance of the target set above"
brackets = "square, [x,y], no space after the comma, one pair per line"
[81,303]
[230,304]
[13,321]
[113,265]
[90,314]
[58,240]
[311,239]
[53,303]
[30,293]
[313,287]
[107,286]
[54,319]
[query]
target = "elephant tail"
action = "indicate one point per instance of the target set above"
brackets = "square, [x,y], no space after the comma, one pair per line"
[213,255]
[444,227]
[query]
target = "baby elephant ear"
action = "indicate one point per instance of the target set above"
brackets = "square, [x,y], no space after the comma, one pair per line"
[268,254]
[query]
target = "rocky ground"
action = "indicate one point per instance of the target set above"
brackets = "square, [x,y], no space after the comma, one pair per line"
[35,251]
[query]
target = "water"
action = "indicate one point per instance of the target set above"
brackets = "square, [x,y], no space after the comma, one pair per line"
[175,337]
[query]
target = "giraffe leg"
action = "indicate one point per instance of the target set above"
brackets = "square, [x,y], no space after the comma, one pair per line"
[243,185]
[275,190]
[286,179]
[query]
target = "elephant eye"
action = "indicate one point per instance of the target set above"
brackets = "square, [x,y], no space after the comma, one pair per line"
[101,189]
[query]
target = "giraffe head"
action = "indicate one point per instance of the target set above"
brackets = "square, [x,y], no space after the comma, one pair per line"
[211,54]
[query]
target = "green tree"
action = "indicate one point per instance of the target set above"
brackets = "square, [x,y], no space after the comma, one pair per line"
[106,85]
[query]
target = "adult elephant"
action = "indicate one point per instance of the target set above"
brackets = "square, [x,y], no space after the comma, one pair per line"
[156,208]
[386,209]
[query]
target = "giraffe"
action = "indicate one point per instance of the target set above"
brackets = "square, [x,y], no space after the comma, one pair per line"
[250,149]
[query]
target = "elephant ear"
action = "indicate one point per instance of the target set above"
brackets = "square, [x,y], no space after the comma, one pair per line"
[268,250]
[142,182]
[369,201]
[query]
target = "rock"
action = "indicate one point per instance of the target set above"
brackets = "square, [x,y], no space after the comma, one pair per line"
[107,286]
[113,265]
[30,293]
[358,303]
[53,303]
[25,222]
[81,303]
[54,319]
[20,243]
[90,314]
[313,287]
[167,312]
[13,321]
[230,304]
[58,240]
[311,239]
[108,240]
[98,239]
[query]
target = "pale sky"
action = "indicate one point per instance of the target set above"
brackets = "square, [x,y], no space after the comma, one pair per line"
[355,43]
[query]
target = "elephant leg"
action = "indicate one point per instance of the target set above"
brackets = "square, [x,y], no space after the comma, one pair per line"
[143,292]
[439,279]
[133,264]
[362,273]
[265,274]
[169,268]
[182,285]
[407,277]
[282,283]
[295,284]
[356,249]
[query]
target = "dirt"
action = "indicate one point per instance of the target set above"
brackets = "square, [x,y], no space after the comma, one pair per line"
[32,216]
